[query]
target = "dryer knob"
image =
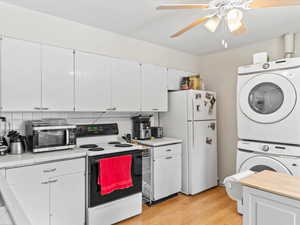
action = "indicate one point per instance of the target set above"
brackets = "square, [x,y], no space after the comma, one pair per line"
[265,148]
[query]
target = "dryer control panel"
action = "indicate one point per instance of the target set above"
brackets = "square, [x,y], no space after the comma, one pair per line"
[269,148]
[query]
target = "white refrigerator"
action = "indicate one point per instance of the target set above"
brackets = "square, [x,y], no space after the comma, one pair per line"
[192,118]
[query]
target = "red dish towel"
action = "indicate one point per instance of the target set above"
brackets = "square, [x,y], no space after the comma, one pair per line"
[115,173]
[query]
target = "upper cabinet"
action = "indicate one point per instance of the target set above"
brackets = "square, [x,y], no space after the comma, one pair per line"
[20,75]
[57,79]
[125,85]
[93,81]
[48,78]
[154,88]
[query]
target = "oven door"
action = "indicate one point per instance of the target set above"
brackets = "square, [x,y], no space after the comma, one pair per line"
[95,197]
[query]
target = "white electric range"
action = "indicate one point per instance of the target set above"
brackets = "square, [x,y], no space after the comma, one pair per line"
[102,141]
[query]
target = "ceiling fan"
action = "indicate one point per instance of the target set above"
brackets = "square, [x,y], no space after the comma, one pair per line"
[230,10]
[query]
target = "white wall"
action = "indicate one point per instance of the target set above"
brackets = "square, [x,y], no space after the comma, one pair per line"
[16,119]
[220,73]
[31,25]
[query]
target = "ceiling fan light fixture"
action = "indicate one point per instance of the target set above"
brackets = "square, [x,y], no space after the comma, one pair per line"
[235,26]
[234,19]
[213,23]
[235,15]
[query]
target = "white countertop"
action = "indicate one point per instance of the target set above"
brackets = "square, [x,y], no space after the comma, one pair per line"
[29,158]
[156,142]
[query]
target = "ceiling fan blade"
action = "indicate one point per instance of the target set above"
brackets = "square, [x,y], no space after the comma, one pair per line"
[241,30]
[183,6]
[189,27]
[273,3]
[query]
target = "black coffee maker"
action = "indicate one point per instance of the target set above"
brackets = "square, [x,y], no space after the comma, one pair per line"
[141,127]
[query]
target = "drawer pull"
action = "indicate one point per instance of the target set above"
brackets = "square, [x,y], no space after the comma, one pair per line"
[45,182]
[52,181]
[168,150]
[50,171]
[170,157]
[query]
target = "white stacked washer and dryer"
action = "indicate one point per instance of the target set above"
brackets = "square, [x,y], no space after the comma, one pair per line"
[268,114]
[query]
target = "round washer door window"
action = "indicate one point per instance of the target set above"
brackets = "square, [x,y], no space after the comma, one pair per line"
[261,163]
[267,98]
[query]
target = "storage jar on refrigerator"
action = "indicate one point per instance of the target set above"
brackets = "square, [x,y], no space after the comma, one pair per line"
[192,118]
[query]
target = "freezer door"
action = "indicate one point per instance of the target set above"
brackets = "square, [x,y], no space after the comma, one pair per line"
[202,105]
[203,156]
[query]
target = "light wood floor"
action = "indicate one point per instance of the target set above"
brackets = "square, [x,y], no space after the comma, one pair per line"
[212,207]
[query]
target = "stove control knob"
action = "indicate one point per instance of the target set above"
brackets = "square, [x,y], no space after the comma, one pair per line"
[265,148]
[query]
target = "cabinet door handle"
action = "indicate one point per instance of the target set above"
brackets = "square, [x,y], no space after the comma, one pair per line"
[45,182]
[37,108]
[52,181]
[155,109]
[50,171]
[45,108]
[168,150]
[111,108]
[170,157]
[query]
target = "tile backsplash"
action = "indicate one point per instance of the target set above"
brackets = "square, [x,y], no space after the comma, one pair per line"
[16,119]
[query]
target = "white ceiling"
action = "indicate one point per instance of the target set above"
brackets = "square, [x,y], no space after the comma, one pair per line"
[140,20]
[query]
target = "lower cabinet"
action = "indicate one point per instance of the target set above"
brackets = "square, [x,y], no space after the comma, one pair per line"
[51,197]
[167,179]
[34,199]
[166,171]
[264,208]
[67,200]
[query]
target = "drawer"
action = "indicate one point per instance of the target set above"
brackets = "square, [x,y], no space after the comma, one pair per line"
[44,171]
[167,150]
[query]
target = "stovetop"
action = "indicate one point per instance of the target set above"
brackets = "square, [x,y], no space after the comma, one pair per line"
[109,147]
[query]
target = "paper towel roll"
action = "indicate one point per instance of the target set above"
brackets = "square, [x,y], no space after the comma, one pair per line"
[233,186]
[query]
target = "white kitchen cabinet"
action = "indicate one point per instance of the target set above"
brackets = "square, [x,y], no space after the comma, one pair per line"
[51,193]
[161,171]
[154,88]
[20,75]
[125,85]
[93,82]
[265,208]
[33,197]
[57,79]
[67,200]
[167,179]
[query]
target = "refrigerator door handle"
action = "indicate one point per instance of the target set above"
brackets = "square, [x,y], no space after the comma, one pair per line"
[193,123]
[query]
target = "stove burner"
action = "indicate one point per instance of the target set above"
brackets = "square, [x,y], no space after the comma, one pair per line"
[88,146]
[123,145]
[114,143]
[96,149]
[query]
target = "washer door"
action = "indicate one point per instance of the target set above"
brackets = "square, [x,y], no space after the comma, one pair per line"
[267,98]
[260,163]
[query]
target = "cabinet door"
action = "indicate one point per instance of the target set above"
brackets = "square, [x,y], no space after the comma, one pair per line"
[167,176]
[154,88]
[20,75]
[93,92]
[58,79]
[126,84]
[33,197]
[67,200]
